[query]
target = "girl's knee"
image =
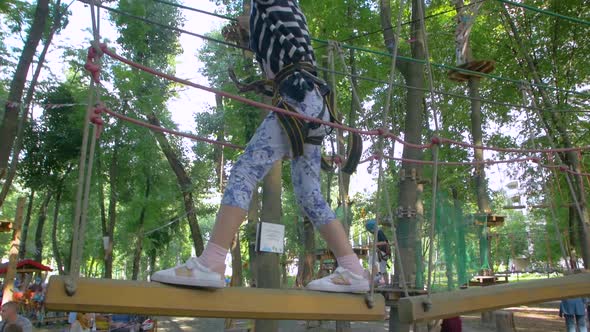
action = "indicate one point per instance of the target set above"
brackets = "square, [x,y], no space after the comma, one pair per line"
[315,207]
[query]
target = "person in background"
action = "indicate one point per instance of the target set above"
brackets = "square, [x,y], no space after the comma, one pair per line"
[452,324]
[10,316]
[383,252]
[574,311]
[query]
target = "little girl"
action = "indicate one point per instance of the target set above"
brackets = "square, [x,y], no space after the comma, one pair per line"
[279,37]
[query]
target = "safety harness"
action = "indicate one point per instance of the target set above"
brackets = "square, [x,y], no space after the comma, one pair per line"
[297,130]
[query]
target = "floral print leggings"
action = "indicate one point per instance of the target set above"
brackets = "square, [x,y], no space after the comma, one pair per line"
[270,144]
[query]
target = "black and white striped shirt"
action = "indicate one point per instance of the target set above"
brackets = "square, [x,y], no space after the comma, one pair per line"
[279,35]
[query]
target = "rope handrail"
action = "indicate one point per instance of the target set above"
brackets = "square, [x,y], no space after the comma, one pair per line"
[375,132]
[170,131]
[546,12]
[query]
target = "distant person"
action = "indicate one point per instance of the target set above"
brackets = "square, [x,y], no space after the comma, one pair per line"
[383,251]
[452,324]
[10,316]
[574,311]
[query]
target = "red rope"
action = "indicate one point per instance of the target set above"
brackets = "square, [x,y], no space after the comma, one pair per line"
[169,131]
[452,163]
[378,132]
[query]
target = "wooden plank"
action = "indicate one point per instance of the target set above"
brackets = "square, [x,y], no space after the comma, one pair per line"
[149,298]
[480,299]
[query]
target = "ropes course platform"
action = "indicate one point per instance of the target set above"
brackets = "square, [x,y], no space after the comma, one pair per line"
[478,299]
[474,67]
[149,298]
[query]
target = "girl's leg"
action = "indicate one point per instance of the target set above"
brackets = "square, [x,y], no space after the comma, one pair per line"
[267,146]
[305,173]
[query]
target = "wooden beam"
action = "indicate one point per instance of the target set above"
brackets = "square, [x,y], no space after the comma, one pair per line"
[451,304]
[150,298]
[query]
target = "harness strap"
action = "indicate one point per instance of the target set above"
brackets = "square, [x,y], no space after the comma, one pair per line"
[296,129]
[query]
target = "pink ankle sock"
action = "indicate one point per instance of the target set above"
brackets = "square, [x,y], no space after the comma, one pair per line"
[351,263]
[213,257]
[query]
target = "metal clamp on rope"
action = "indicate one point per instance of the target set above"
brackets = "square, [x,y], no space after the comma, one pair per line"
[370,300]
[70,285]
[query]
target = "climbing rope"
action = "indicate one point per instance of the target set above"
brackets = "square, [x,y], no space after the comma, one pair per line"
[93,65]
[382,193]
[435,142]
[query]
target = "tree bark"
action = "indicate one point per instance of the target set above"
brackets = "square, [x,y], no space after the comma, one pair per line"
[58,14]
[109,235]
[139,240]
[185,183]
[409,206]
[253,218]
[307,258]
[22,253]
[40,224]
[219,155]
[267,264]
[54,244]
[9,125]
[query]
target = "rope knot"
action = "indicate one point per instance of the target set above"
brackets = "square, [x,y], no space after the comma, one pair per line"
[427,305]
[536,160]
[96,118]
[564,168]
[435,140]
[337,160]
[377,156]
[95,52]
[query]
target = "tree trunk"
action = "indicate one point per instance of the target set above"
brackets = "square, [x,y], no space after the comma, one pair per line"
[236,262]
[22,253]
[409,206]
[483,201]
[108,236]
[219,155]
[54,244]
[267,264]
[253,218]
[9,125]
[40,224]
[152,262]
[556,129]
[307,258]
[185,183]
[139,240]
[57,16]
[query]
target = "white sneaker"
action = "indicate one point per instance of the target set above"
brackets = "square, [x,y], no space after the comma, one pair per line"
[341,281]
[191,273]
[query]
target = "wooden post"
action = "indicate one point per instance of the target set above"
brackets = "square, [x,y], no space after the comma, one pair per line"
[505,321]
[14,248]
[267,264]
